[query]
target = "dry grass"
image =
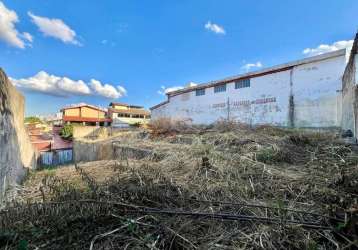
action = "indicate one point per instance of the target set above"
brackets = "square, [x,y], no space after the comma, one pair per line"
[177,196]
[168,126]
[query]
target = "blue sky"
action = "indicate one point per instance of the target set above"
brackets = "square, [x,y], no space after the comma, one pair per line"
[148,46]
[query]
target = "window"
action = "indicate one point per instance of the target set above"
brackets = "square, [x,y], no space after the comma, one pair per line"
[220,88]
[243,83]
[123,115]
[200,92]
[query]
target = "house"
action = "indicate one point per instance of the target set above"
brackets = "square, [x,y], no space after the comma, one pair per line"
[123,115]
[39,137]
[50,148]
[303,93]
[54,119]
[85,114]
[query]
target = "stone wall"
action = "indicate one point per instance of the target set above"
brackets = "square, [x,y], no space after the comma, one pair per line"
[16,152]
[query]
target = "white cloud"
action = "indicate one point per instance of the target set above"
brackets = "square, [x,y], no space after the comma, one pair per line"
[53,85]
[163,90]
[63,86]
[122,90]
[247,67]
[55,28]
[325,48]
[27,36]
[215,28]
[8,31]
[107,90]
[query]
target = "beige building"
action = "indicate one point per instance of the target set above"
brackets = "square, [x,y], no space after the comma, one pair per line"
[85,114]
[123,115]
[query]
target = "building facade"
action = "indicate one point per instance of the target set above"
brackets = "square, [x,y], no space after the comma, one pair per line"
[303,93]
[124,115]
[86,115]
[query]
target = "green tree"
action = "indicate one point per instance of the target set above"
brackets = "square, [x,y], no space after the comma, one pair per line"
[32,119]
[67,131]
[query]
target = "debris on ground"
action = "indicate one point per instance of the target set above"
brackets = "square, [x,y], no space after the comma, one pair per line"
[223,187]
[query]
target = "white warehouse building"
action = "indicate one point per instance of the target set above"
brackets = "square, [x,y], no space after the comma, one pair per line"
[303,93]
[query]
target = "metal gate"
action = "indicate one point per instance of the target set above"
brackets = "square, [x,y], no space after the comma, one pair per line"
[56,157]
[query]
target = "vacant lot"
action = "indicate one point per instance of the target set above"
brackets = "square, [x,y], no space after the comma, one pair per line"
[223,188]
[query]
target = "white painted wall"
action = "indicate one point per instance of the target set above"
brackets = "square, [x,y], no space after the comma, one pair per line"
[313,85]
[317,93]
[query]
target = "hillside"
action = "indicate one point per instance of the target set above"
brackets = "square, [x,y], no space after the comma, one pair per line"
[218,188]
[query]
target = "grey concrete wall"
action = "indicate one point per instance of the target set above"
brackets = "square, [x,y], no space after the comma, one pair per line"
[84,151]
[16,152]
[350,92]
[95,132]
[87,131]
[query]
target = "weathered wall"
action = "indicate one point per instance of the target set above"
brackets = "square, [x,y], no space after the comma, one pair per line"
[350,92]
[306,95]
[84,151]
[83,131]
[317,93]
[95,132]
[16,152]
[265,101]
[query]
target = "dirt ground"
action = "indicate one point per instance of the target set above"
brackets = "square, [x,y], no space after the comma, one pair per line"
[242,188]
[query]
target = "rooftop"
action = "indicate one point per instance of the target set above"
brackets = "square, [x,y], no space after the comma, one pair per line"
[84,105]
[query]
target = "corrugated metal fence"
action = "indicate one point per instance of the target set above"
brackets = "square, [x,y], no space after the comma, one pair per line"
[56,157]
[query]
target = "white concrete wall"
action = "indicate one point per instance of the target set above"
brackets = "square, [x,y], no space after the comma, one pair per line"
[317,93]
[265,101]
[314,88]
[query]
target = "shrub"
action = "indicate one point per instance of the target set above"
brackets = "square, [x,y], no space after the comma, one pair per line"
[168,126]
[67,132]
[136,125]
[273,155]
[227,125]
[300,139]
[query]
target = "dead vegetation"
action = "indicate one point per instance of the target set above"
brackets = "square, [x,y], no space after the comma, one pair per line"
[220,187]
